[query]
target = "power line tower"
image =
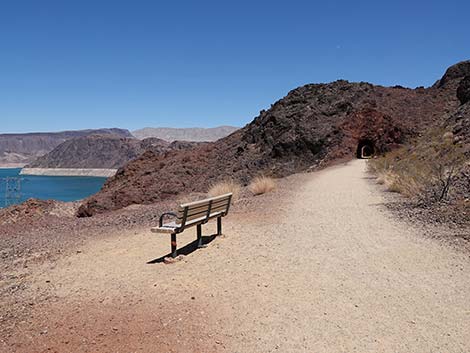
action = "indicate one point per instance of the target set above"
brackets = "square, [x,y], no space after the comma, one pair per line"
[12,190]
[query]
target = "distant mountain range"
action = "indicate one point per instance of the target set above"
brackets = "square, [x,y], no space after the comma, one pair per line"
[99,148]
[21,149]
[185,134]
[103,151]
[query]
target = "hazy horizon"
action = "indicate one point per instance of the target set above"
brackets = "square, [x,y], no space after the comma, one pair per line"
[115,127]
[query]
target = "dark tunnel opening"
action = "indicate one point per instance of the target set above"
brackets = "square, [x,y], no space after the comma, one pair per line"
[365,149]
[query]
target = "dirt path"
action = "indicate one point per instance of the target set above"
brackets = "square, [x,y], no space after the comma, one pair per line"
[325,269]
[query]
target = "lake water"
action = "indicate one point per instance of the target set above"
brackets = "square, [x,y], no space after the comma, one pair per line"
[46,187]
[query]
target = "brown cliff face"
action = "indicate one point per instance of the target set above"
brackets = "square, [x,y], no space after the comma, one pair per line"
[313,125]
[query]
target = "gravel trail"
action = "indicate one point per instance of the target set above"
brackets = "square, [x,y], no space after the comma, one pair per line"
[319,266]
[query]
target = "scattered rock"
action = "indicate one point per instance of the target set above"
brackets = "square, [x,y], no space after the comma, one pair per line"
[171,260]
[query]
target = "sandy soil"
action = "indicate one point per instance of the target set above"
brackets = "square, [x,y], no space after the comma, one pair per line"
[318,266]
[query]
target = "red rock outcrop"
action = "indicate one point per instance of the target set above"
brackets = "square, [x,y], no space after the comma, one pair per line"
[380,131]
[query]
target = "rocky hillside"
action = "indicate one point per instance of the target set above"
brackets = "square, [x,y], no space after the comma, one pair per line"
[103,151]
[312,126]
[24,148]
[185,134]
[459,120]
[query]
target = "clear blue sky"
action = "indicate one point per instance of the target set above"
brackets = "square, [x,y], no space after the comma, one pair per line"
[88,64]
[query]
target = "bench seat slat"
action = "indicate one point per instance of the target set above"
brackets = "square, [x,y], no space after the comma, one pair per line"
[201,202]
[172,226]
[203,206]
[193,215]
[194,210]
[201,219]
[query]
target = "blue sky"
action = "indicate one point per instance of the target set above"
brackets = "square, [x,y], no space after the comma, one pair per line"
[130,64]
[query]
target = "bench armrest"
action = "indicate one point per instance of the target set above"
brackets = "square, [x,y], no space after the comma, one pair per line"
[160,221]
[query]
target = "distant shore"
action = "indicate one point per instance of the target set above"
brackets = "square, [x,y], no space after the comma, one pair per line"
[105,173]
[11,165]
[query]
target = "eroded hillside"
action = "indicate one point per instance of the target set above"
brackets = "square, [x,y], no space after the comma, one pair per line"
[25,148]
[103,151]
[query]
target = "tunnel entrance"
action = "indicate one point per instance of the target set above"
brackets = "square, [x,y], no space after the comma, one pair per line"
[365,149]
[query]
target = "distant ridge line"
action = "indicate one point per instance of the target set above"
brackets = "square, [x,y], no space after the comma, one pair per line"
[196,134]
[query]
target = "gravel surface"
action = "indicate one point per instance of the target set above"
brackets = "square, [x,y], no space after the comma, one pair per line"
[320,265]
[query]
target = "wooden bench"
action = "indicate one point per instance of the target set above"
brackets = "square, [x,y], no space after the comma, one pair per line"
[194,214]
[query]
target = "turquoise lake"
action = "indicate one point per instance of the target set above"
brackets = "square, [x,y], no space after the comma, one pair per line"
[45,187]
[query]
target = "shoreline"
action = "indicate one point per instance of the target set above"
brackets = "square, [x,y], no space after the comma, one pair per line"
[87,172]
[11,165]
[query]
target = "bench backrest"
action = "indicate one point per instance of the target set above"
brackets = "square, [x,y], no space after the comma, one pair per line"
[203,210]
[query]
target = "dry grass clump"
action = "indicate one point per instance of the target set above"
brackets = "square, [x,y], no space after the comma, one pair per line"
[403,184]
[225,187]
[425,169]
[261,185]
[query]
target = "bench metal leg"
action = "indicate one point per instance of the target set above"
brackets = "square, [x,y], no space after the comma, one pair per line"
[219,225]
[173,245]
[199,236]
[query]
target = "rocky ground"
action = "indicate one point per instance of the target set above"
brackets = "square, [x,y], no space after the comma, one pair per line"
[37,232]
[318,265]
[452,219]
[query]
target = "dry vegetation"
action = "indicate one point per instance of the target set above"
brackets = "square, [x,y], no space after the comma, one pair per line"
[225,187]
[425,169]
[261,185]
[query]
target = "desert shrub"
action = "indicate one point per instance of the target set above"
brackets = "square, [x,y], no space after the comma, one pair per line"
[425,169]
[380,178]
[225,187]
[261,185]
[392,182]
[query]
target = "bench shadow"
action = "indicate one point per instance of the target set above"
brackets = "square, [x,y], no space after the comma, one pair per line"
[185,250]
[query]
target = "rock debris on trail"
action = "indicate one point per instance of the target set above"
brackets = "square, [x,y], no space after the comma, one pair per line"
[318,266]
